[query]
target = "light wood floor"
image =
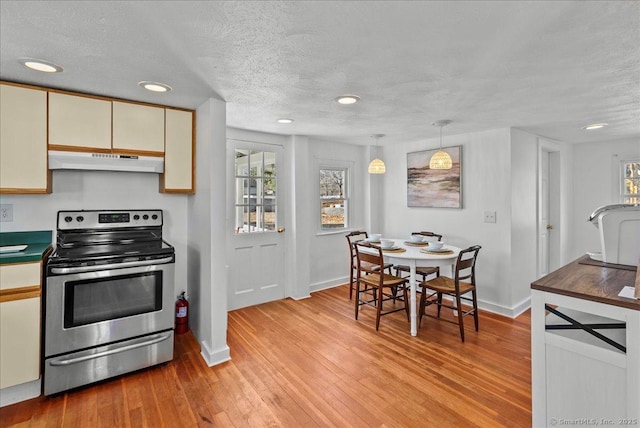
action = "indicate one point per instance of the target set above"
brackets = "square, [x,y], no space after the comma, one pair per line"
[310,364]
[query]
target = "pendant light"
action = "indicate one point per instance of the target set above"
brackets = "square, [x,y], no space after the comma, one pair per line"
[377,166]
[440,160]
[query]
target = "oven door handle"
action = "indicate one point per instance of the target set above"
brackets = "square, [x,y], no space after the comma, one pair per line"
[65,362]
[95,268]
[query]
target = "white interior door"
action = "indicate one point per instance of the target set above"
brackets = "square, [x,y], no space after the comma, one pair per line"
[256,226]
[549,214]
[543,217]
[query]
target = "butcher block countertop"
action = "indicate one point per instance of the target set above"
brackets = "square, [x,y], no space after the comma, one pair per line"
[588,280]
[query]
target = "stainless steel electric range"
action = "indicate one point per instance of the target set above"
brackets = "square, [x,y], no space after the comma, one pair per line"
[109,297]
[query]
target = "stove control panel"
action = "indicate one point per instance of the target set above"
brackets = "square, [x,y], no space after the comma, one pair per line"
[115,217]
[71,220]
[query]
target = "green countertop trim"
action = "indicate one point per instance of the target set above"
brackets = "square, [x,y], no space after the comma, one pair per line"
[37,243]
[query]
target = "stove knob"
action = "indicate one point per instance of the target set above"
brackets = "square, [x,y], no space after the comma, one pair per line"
[155,216]
[145,217]
[80,219]
[136,217]
[68,219]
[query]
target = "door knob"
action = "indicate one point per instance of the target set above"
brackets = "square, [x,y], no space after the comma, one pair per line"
[549,227]
[280,229]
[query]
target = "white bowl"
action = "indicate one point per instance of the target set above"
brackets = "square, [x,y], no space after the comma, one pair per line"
[435,245]
[375,237]
[386,243]
[415,238]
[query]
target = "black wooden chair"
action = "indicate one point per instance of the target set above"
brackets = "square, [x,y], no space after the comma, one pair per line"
[379,282]
[464,282]
[352,238]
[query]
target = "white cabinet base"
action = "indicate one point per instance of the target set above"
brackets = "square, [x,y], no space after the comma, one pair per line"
[578,379]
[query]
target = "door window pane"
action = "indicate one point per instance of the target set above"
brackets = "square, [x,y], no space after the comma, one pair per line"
[242,163]
[630,182]
[256,167]
[255,191]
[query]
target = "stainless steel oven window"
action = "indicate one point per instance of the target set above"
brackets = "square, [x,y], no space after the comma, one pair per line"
[90,301]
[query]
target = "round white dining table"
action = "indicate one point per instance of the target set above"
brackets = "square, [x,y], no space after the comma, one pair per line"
[413,258]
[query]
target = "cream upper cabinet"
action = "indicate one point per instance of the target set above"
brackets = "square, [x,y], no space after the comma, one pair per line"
[23,140]
[138,128]
[19,323]
[79,122]
[179,153]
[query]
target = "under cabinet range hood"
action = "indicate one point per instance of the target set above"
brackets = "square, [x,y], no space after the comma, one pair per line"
[105,162]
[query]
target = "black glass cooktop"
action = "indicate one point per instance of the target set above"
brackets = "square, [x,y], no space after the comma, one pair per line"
[142,249]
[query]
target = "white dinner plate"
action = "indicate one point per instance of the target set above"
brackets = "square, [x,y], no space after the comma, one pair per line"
[395,247]
[441,250]
[12,248]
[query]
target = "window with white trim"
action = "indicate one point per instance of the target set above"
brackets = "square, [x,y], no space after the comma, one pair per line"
[334,198]
[630,183]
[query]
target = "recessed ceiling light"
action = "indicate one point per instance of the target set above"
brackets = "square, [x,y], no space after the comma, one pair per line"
[155,86]
[348,99]
[284,120]
[40,65]
[594,126]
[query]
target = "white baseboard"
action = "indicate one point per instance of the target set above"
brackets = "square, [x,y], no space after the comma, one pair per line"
[512,312]
[17,393]
[328,284]
[521,307]
[213,358]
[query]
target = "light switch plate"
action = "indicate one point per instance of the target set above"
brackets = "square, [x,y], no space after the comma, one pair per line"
[489,216]
[6,212]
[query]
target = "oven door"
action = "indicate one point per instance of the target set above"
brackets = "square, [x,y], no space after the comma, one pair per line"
[92,308]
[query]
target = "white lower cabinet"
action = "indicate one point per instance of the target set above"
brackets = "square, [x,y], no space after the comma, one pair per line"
[19,341]
[20,292]
[578,378]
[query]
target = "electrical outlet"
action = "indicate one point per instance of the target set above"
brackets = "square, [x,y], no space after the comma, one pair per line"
[6,212]
[489,216]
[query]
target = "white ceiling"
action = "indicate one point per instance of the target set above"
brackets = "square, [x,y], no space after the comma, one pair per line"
[545,67]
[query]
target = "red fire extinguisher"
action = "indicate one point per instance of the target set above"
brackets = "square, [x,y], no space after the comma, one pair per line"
[182,314]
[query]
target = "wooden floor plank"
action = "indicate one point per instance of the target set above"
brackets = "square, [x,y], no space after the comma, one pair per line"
[309,363]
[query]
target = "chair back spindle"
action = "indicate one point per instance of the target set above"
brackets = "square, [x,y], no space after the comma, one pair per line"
[352,238]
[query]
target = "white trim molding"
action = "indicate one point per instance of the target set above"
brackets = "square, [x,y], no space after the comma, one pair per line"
[213,358]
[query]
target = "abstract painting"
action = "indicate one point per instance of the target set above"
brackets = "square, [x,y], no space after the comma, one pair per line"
[434,188]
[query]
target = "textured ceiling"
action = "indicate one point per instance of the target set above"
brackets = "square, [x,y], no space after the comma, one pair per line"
[546,67]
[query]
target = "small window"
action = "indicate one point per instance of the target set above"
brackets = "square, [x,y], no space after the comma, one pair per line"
[334,198]
[630,181]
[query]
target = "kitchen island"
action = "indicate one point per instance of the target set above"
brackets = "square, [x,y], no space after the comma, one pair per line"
[585,346]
